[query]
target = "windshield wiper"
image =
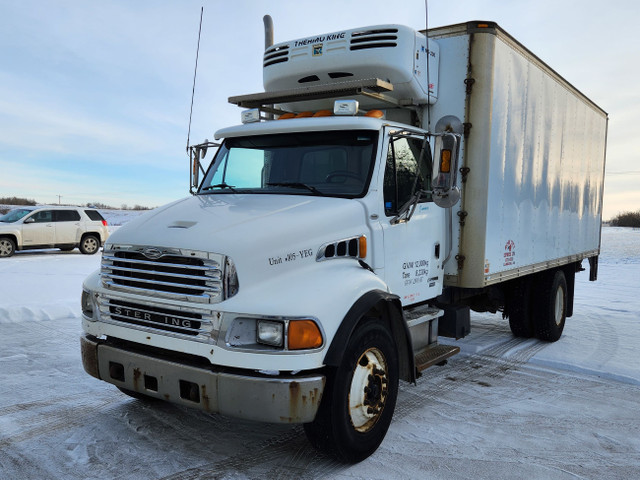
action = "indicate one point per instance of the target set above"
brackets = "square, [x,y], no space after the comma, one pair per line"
[221,185]
[295,185]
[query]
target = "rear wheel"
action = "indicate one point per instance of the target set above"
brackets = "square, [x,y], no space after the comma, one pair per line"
[551,307]
[7,247]
[360,396]
[89,244]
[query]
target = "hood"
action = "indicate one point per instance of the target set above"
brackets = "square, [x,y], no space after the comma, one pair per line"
[261,233]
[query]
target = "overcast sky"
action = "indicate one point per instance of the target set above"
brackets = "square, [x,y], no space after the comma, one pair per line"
[95,95]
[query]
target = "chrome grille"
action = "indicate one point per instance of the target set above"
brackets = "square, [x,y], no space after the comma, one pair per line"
[168,273]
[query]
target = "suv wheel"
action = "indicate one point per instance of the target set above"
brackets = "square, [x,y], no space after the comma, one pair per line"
[7,247]
[89,244]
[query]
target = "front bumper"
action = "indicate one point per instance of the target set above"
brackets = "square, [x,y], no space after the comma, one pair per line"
[248,395]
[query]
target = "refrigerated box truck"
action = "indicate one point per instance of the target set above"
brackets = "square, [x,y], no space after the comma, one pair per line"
[383,184]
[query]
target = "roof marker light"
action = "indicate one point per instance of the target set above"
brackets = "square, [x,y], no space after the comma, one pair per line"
[374,114]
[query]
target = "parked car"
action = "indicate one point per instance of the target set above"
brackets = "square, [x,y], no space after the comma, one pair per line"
[65,228]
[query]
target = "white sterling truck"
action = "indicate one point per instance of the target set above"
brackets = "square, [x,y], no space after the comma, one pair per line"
[384,183]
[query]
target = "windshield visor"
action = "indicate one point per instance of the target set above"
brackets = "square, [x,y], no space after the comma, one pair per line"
[334,163]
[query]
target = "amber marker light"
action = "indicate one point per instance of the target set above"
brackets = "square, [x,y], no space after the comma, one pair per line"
[374,114]
[304,334]
[445,161]
[362,247]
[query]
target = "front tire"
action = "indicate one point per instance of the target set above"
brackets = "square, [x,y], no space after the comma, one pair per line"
[7,247]
[360,396]
[551,307]
[89,244]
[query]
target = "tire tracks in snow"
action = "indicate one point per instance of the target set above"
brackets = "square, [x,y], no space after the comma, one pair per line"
[67,416]
[289,455]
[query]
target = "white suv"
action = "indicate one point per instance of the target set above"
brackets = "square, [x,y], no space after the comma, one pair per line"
[52,227]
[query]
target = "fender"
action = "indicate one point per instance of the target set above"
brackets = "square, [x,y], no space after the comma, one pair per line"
[399,329]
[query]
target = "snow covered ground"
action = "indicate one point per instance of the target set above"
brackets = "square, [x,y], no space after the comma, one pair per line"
[505,408]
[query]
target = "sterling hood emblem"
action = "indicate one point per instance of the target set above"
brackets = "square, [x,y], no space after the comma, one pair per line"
[152,253]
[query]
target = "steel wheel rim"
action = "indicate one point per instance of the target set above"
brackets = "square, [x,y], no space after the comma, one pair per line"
[369,389]
[559,306]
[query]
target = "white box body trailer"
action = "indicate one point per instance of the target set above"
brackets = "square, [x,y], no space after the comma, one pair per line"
[383,185]
[534,157]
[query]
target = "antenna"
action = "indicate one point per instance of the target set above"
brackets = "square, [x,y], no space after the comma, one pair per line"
[426,34]
[193,90]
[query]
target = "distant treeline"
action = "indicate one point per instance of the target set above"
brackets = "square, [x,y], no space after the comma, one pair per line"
[124,206]
[16,201]
[627,219]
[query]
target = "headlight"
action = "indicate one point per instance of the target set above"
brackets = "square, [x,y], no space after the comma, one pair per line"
[276,333]
[87,304]
[270,333]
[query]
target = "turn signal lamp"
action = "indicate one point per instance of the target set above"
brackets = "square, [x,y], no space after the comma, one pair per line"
[304,334]
[362,247]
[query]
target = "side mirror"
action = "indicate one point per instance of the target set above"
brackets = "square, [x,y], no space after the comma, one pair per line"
[445,170]
[29,220]
[194,168]
[445,162]
[197,153]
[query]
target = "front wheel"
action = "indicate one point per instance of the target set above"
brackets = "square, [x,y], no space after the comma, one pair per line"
[7,247]
[360,396]
[89,244]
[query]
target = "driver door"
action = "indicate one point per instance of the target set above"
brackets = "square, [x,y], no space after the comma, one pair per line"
[413,243]
[38,229]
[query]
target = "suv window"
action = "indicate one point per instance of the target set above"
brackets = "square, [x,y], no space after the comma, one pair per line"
[43,216]
[94,215]
[67,216]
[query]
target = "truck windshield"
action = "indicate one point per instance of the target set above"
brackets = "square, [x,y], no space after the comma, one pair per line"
[15,215]
[334,163]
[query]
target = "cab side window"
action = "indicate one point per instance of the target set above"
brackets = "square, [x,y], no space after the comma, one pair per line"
[403,174]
